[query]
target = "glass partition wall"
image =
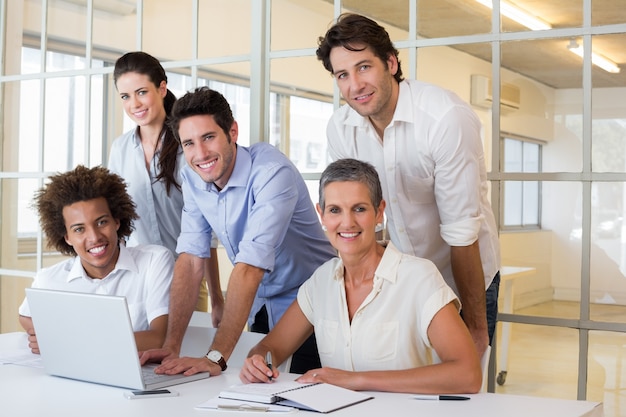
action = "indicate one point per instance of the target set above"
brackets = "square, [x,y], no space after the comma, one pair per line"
[553,115]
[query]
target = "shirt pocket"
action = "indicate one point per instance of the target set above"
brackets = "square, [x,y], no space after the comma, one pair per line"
[381,341]
[326,337]
[419,190]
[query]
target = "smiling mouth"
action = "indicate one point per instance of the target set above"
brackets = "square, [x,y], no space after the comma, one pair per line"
[97,250]
[349,235]
[363,97]
[207,165]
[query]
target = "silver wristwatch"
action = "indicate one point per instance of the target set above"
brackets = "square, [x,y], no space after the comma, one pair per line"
[216,357]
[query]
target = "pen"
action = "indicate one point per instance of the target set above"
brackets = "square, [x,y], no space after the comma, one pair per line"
[242,407]
[440,397]
[268,361]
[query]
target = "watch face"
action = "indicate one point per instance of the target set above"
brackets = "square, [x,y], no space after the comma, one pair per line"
[214,356]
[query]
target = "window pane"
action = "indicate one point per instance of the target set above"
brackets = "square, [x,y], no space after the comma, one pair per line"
[27,217]
[549,111]
[29,117]
[513,200]
[393,15]
[607,369]
[553,252]
[436,18]
[531,157]
[609,117]
[165,20]
[531,203]
[307,135]
[535,360]
[218,22]
[608,251]
[290,33]
[557,15]
[513,155]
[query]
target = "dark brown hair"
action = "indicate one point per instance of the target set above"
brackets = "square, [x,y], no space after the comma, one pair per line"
[143,63]
[357,33]
[203,102]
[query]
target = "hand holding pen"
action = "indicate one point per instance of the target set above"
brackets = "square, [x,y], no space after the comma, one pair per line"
[268,362]
[257,368]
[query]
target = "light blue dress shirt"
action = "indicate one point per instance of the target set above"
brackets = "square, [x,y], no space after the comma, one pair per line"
[264,217]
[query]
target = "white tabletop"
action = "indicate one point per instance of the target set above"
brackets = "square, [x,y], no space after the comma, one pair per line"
[27,391]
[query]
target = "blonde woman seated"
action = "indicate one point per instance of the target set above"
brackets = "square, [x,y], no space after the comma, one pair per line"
[378,314]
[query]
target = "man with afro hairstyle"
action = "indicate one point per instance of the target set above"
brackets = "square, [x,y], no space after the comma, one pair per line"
[86,213]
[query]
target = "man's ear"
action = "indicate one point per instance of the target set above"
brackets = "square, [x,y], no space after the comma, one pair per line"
[392,64]
[234,131]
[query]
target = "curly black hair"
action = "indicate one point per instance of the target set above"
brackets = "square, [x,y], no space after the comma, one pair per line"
[82,184]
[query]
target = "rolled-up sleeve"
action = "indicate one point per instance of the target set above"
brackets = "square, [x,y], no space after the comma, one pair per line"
[458,154]
[195,232]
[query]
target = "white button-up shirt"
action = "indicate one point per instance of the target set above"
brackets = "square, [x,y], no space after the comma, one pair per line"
[142,274]
[432,170]
[389,329]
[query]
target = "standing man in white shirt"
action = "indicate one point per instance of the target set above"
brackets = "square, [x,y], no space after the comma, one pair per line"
[425,143]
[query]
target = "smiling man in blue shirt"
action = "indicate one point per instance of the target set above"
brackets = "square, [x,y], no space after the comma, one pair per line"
[257,203]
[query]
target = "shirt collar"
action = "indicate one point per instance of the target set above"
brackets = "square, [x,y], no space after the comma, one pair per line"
[243,166]
[387,269]
[124,262]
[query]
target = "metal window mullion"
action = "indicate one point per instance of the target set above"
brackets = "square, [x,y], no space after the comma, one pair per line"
[42,116]
[336,92]
[583,353]
[88,58]
[139,30]
[195,7]
[259,71]
[413,36]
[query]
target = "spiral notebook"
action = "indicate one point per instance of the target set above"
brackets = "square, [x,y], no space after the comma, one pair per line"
[319,397]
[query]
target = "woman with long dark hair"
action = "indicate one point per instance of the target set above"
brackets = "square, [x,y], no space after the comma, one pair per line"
[149,158]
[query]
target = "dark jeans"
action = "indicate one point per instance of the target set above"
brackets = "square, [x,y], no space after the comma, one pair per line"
[492,305]
[491,298]
[303,359]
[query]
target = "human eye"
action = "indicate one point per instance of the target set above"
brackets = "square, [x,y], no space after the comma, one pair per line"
[360,209]
[341,75]
[102,222]
[186,143]
[364,67]
[124,96]
[333,210]
[142,92]
[78,229]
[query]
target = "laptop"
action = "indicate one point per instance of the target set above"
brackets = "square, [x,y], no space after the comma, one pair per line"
[89,337]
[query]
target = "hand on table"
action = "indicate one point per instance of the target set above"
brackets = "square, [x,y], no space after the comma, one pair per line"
[188,366]
[32,341]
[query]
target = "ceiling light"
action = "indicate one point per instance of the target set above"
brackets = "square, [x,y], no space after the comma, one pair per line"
[604,63]
[520,16]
